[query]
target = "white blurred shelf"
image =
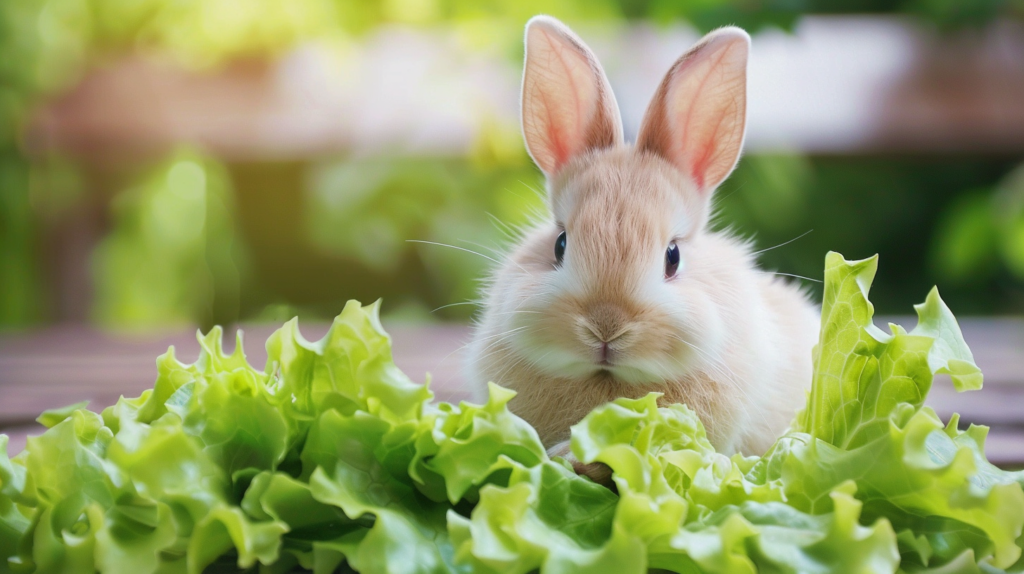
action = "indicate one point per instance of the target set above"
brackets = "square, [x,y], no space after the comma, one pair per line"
[836,85]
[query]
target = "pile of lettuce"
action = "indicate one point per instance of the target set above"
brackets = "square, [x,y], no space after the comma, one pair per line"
[331,459]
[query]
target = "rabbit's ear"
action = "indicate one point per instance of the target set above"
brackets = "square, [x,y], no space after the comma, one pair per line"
[697,117]
[568,106]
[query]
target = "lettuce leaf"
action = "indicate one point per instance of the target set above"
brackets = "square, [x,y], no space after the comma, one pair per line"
[331,458]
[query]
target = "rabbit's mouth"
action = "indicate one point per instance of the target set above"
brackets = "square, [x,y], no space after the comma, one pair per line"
[584,353]
[614,368]
[632,374]
[610,365]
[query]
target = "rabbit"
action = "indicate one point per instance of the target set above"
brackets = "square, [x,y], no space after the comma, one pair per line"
[624,289]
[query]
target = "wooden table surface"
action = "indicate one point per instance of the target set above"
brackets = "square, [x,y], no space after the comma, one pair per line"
[58,366]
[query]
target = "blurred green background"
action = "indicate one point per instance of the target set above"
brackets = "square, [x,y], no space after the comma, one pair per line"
[101,228]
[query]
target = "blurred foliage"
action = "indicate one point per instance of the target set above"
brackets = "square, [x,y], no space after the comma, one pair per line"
[756,14]
[981,236]
[348,235]
[955,14]
[173,256]
[19,282]
[46,45]
[176,252]
[455,214]
[900,208]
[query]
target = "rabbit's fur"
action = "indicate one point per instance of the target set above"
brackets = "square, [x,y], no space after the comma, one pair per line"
[729,340]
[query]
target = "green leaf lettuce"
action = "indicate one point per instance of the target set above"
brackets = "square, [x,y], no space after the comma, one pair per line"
[331,458]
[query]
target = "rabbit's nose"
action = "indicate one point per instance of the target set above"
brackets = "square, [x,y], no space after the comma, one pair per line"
[600,336]
[606,322]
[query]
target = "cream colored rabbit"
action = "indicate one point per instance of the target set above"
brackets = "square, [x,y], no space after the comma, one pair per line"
[625,290]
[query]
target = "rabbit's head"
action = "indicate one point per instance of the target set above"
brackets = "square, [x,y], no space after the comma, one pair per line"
[615,283]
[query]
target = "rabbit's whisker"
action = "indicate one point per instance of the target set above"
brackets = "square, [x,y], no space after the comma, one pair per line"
[796,276]
[491,259]
[456,305]
[784,243]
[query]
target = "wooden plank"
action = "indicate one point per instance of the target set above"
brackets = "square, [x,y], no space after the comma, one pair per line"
[62,365]
[1005,448]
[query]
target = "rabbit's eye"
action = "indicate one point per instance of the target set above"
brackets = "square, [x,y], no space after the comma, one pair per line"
[560,248]
[671,260]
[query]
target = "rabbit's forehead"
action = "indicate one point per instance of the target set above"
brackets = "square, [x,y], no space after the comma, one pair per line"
[626,200]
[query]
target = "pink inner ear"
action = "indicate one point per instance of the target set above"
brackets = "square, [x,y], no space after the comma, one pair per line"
[557,143]
[566,107]
[700,167]
[704,149]
[697,117]
[560,140]
[719,153]
[559,150]
[705,153]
